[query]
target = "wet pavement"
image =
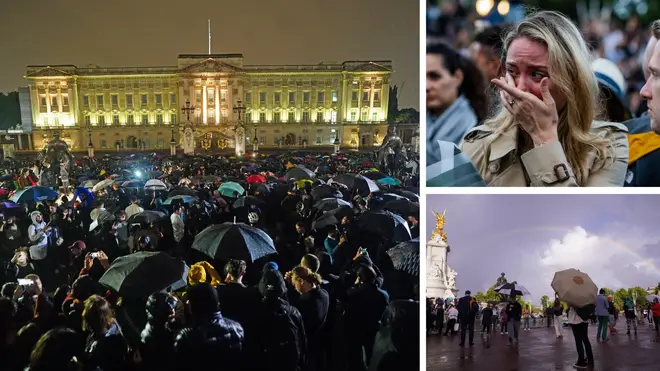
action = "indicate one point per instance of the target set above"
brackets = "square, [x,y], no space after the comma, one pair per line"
[539,350]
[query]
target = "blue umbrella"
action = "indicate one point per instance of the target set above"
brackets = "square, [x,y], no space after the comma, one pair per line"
[34,194]
[389,180]
[83,190]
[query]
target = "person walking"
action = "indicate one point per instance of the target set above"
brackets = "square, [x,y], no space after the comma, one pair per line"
[580,328]
[513,314]
[526,316]
[655,311]
[486,320]
[631,316]
[557,312]
[503,322]
[613,315]
[602,312]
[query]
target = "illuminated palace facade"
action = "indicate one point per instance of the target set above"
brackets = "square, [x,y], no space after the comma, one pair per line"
[287,106]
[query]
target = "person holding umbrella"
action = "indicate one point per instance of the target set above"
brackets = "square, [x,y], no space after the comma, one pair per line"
[580,327]
[513,315]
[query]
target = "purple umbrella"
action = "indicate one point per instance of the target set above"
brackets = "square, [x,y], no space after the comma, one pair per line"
[9,205]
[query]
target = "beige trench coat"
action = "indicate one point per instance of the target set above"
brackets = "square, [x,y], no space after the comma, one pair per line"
[547,166]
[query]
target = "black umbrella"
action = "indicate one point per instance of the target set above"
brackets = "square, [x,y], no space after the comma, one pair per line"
[142,273]
[331,217]
[393,196]
[325,191]
[412,196]
[146,217]
[513,288]
[405,257]
[327,204]
[356,181]
[182,191]
[234,241]
[248,201]
[374,175]
[298,173]
[6,178]
[389,225]
[402,207]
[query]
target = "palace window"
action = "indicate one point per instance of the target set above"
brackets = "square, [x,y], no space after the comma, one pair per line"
[115,120]
[318,139]
[374,116]
[88,121]
[305,116]
[129,100]
[365,96]
[114,99]
[210,95]
[363,117]
[319,116]
[354,96]
[276,117]
[130,120]
[248,97]
[306,97]
[292,98]
[277,98]
[262,140]
[262,97]
[101,120]
[159,99]
[320,98]
[353,116]
[334,97]
[332,138]
[376,96]
[262,117]
[159,119]
[292,117]
[104,144]
[173,119]
[223,95]
[333,117]
[248,117]
[145,119]
[53,102]
[99,101]
[143,99]
[65,100]
[173,99]
[85,100]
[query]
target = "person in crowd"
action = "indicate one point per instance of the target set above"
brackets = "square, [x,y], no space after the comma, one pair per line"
[486,320]
[580,327]
[557,314]
[396,345]
[602,312]
[467,313]
[157,337]
[456,97]
[631,315]
[452,320]
[513,315]
[655,313]
[614,314]
[20,265]
[526,317]
[613,88]
[486,52]
[546,132]
[106,347]
[57,349]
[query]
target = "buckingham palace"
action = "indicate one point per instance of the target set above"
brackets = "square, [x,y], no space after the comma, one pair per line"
[278,106]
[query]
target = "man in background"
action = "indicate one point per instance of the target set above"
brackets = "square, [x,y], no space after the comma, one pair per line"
[467,312]
[486,52]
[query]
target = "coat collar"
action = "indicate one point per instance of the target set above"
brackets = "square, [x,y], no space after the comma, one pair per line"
[503,144]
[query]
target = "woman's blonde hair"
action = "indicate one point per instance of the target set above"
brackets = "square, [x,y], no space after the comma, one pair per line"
[306,275]
[569,61]
[97,316]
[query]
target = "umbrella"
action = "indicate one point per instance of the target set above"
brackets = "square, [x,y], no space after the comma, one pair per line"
[182,191]
[89,183]
[181,198]
[387,197]
[234,241]
[386,224]
[155,185]
[8,205]
[374,174]
[652,298]
[99,218]
[405,257]
[575,287]
[248,201]
[451,168]
[325,191]
[412,196]
[389,180]
[133,184]
[256,178]
[146,217]
[142,273]
[512,288]
[331,217]
[359,182]
[298,173]
[34,194]
[102,184]
[402,207]
[6,178]
[331,203]
[231,189]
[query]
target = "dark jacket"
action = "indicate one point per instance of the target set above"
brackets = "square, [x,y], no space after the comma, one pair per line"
[644,158]
[467,309]
[107,352]
[205,343]
[157,348]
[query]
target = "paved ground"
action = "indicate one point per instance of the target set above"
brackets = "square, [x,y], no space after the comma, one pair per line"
[539,350]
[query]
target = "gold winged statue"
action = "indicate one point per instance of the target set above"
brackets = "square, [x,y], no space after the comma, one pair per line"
[439,226]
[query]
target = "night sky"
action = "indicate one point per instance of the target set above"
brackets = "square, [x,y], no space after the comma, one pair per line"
[153,32]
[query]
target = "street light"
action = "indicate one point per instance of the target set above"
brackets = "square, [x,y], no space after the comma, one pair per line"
[90,145]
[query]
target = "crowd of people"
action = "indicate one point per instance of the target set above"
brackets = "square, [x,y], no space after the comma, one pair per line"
[542,102]
[173,263]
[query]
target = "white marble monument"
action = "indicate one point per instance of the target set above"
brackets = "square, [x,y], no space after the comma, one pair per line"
[239,141]
[440,278]
[188,141]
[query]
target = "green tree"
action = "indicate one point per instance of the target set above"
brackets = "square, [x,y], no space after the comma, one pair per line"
[641,295]
[620,297]
[396,115]
[10,111]
[545,302]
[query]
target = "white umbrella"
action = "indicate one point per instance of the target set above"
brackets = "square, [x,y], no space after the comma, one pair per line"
[90,183]
[103,184]
[155,185]
[651,298]
[575,287]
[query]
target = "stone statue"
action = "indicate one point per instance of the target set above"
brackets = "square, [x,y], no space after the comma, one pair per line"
[436,271]
[55,152]
[451,278]
[439,226]
[240,140]
[501,280]
[391,155]
[188,141]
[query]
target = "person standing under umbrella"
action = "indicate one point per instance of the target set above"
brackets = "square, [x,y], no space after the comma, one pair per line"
[513,314]
[580,328]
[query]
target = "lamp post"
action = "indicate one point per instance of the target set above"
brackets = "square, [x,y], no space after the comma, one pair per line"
[90,144]
[173,142]
[187,109]
[239,108]
[337,143]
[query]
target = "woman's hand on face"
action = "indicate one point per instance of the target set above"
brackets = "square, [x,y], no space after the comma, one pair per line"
[538,117]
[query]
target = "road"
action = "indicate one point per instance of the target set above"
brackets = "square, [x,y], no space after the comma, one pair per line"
[539,350]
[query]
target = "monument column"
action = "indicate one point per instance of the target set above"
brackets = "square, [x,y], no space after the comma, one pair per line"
[440,278]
